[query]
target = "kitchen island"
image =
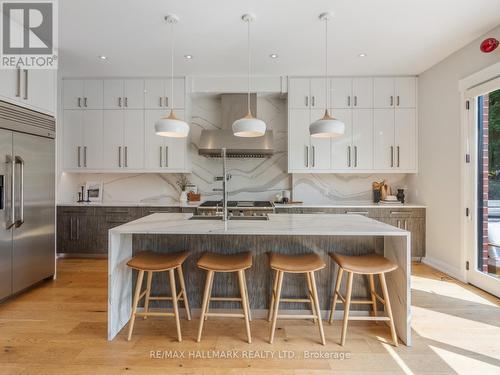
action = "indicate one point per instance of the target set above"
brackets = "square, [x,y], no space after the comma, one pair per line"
[287,233]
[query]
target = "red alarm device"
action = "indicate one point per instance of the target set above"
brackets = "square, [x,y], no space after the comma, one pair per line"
[489,45]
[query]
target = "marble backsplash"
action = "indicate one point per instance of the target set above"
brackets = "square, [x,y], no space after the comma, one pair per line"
[252,179]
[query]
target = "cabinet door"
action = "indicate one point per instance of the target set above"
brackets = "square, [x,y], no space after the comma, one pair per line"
[362,91]
[342,92]
[383,92]
[175,101]
[298,140]
[133,139]
[133,93]
[405,139]
[318,93]
[72,93]
[113,94]
[342,151]
[10,86]
[299,93]
[405,92]
[321,148]
[175,150]
[155,145]
[92,139]
[383,139]
[42,89]
[93,94]
[72,138]
[113,157]
[362,138]
[417,228]
[154,97]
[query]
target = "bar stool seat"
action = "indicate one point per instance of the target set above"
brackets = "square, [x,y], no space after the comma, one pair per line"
[303,263]
[150,262]
[225,262]
[296,263]
[370,265]
[238,263]
[364,265]
[156,262]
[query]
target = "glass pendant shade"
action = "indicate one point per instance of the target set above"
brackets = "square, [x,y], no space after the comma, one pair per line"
[327,127]
[171,126]
[249,126]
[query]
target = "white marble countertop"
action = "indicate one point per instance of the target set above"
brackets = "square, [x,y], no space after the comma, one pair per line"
[278,224]
[129,204]
[348,204]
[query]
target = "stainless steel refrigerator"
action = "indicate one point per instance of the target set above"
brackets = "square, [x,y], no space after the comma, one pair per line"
[27,198]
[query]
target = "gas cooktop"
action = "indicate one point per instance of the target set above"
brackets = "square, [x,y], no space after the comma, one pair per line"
[239,204]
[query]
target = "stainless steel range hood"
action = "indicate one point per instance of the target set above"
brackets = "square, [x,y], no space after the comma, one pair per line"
[234,106]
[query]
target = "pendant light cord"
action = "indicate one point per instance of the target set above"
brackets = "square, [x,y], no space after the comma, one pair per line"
[248,50]
[326,62]
[172,65]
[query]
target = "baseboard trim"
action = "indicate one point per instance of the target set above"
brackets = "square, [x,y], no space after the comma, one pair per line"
[445,268]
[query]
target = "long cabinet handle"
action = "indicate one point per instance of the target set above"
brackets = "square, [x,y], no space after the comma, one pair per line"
[166,156]
[120,156]
[119,101]
[392,100]
[79,102]
[313,101]
[85,156]
[392,156]
[397,100]
[77,228]
[125,100]
[397,154]
[11,211]
[306,159]
[19,160]
[313,156]
[355,101]
[161,156]
[78,150]
[85,102]
[349,156]
[25,84]
[18,85]
[355,156]
[349,100]
[161,101]
[356,213]
[166,101]
[307,101]
[126,156]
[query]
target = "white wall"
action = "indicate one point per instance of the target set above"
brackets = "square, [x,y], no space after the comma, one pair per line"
[438,183]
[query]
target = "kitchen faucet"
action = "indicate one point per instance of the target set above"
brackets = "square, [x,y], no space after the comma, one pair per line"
[225,177]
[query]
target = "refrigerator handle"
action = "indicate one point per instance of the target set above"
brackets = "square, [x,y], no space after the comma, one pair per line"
[19,160]
[11,210]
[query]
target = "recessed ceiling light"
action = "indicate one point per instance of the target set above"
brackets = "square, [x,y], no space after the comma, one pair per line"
[103,57]
[189,57]
[362,55]
[273,56]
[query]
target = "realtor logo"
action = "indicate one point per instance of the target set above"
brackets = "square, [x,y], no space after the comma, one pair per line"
[29,34]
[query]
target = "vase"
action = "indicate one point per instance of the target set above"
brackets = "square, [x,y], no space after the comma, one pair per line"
[183,197]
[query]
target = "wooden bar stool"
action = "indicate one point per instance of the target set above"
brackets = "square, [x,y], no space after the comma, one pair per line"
[370,265]
[212,263]
[306,264]
[151,262]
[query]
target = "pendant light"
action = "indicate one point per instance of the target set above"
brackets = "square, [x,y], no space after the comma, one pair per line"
[249,126]
[327,126]
[171,126]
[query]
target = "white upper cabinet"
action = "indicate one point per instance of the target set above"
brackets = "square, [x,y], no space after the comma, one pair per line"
[321,148]
[362,92]
[341,92]
[298,139]
[82,94]
[362,139]
[34,89]
[405,139]
[383,127]
[392,92]
[123,94]
[72,139]
[299,93]
[113,94]
[352,92]
[318,94]
[342,150]
[158,93]
[113,139]
[92,139]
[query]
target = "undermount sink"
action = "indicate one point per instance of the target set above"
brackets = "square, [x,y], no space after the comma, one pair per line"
[208,217]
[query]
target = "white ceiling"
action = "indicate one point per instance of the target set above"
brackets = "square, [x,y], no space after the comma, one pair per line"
[398,36]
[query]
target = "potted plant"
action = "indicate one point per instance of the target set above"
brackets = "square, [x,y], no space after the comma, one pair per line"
[183,182]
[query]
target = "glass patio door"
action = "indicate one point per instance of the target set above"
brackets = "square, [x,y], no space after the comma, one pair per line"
[482,186]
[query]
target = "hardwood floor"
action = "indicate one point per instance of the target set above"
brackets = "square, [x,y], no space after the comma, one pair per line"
[59,327]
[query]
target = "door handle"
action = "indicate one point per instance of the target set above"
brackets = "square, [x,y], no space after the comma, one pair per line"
[392,100]
[18,85]
[313,101]
[405,225]
[19,160]
[313,156]
[348,100]
[348,156]
[355,156]
[71,228]
[126,156]
[166,156]
[85,102]
[355,101]
[397,154]
[397,100]
[392,156]
[11,211]
[80,102]
[25,84]
[166,101]
[161,101]
[307,101]
[126,101]
[120,156]
[161,156]
[307,156]
[119,101]
[78,149]
[85,156]
[77,228]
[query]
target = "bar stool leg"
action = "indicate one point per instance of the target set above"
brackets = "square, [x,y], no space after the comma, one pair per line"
[317,308]
[347,307]
[273,294]
[206,295]
[248,299]
[244,302]
[279,276]
[209,297]
[136,302]
[336,292]
[184,293]
[310,294]
[372,293]
[148,293]
[388,308]
[171,275]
